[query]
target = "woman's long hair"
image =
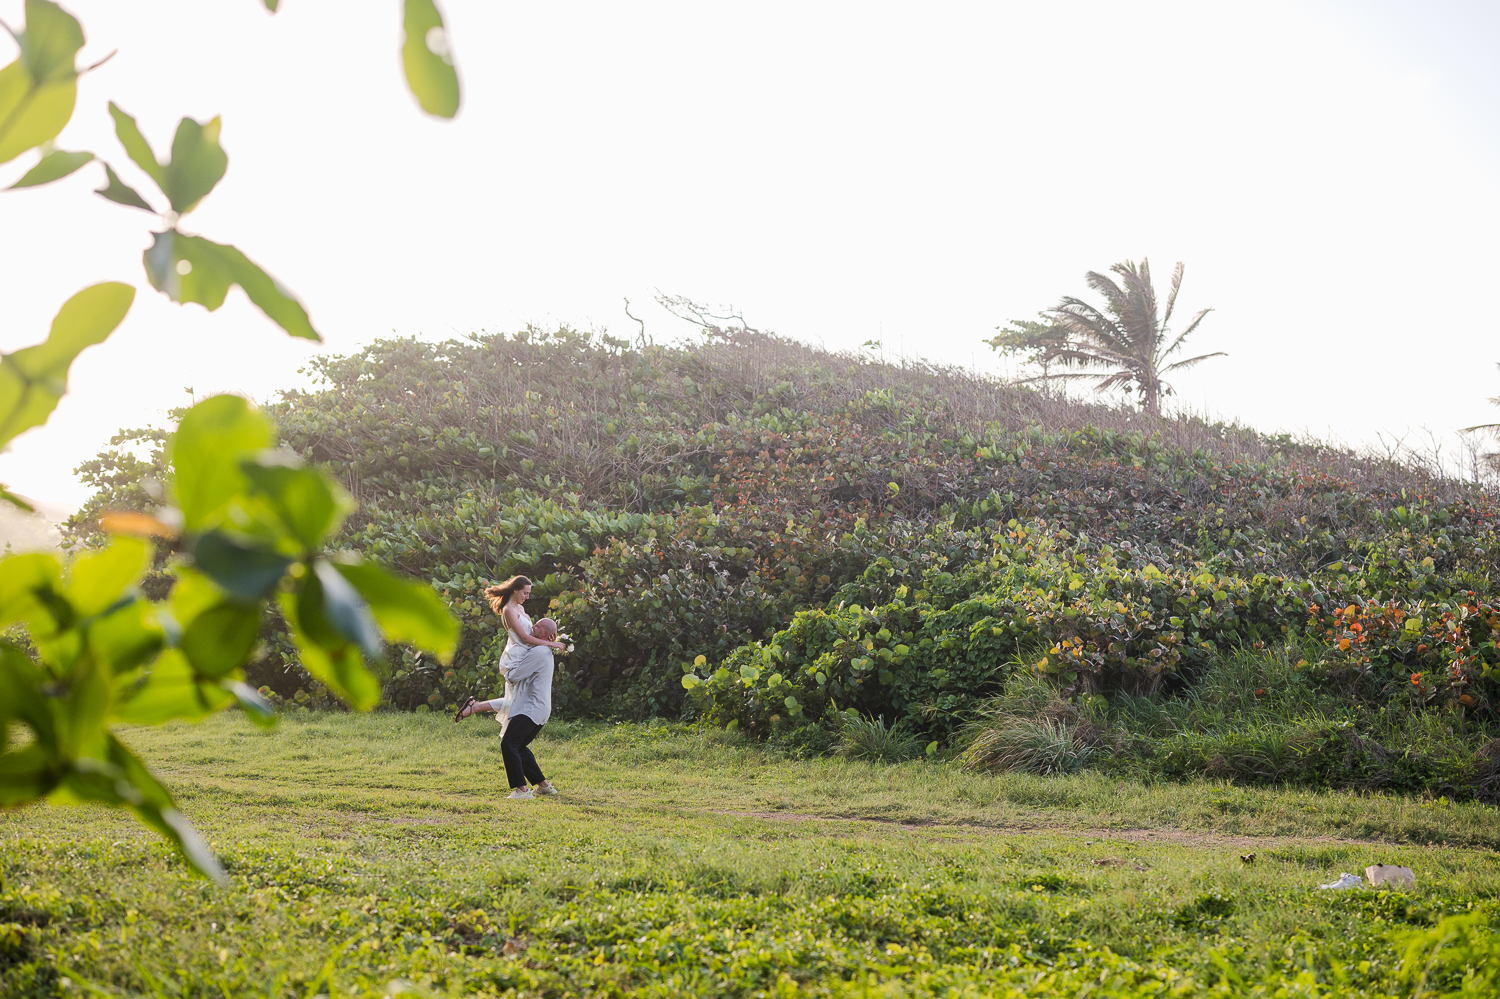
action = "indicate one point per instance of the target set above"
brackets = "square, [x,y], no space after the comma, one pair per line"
[498,595]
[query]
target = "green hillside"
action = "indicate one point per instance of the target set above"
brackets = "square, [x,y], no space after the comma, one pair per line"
[825,549]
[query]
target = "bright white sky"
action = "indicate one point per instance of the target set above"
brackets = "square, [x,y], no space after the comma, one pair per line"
[841,172]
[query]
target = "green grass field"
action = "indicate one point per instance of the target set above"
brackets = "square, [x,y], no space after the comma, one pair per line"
[374,855]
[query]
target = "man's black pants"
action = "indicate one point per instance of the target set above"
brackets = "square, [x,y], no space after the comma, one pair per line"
[520,765]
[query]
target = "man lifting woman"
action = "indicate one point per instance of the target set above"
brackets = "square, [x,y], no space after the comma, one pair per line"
[526,663]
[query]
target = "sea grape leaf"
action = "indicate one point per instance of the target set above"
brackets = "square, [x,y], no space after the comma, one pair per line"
[26,775]
[22,578]
[9,497]
[194,269]
[121,193]
[409,612]
[98,579]
[50,43]
[170,688]
[121,779]
[428,61]
[243,571]
[307,500]
[136,146]
[33,379]
[82,710]
[346,611]
[336,664]
[198,163]
[38,90]
[220,639]
[127,637]
[256,708]
[205,455]
[192,594]
[21,697]
[54,166]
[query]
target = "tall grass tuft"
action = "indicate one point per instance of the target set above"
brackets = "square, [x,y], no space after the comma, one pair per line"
[1042,746]
[868,738]
[1030,729]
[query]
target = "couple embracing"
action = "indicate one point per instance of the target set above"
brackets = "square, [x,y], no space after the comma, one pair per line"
[526,664]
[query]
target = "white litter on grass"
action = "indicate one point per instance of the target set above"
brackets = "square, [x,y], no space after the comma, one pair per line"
[1392,875]
[1344,881]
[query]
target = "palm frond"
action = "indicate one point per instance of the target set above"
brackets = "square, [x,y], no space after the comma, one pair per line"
[1120,379]
[1184,365]
[1078,318]
[1105,285]
[1083,354]
[1140,310]
[1177,343]
[1055,376]
[1172,296]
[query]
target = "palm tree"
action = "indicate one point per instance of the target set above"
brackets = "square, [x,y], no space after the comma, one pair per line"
[1492,458]
[1126,336]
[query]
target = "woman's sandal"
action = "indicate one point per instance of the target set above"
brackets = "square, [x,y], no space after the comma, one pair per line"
[460,716]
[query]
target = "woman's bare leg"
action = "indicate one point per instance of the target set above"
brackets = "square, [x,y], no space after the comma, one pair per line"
[477,708]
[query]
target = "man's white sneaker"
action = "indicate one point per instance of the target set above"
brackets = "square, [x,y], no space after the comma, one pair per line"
[521,794]
[545,787]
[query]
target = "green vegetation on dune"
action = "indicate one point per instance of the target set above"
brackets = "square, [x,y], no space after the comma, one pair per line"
[779,538]
[364,851]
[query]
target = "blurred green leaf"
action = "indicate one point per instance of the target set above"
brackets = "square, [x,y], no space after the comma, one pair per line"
[122,779]
[7,496]
[38,90]
[205,454]
[333,662]
[121,193]
[50,43]
[127,637]
[27,118]
[409,612]
[428,59]
[54,166]
[194,269]
[345,610]
[256,707]
[26,775]
[307,500]
[23,580]
[198,163]
[98,579]
[33,379]
[136,146]
[21,697]
[83,709]
[243,571]
[192,594]
[220,639]
[170,688]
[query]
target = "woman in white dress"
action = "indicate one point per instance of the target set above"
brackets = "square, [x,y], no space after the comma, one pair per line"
[526,664]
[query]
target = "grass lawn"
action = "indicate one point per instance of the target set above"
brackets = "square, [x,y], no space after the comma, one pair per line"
[374,855]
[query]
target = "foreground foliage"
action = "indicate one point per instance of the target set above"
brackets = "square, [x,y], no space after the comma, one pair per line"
[93,651]
[381,860]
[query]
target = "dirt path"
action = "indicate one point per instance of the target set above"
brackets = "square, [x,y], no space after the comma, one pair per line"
[1174,837]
